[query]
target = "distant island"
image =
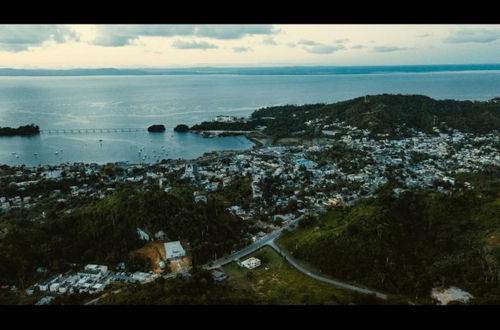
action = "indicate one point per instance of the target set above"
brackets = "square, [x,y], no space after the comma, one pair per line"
[26,130]
[156,128]
[181,128]
[278,70]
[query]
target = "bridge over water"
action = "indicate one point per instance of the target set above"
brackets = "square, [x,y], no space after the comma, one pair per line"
[90,130]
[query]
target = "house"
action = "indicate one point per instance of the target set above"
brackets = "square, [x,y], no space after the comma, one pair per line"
[251,263]
[141,277]
[161,235]
[45,300]
[445,296]
[97,269]
[225,119]
[174,250]
[191,170]
[218,275]
[142,235]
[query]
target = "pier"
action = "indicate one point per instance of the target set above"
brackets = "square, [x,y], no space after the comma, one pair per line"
[90,130]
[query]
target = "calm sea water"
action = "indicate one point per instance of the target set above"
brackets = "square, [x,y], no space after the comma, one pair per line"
[140,101]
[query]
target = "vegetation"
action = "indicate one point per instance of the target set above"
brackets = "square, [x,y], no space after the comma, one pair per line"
[409,244]
[105,231]
[383,113]
[181,128]
[232,126]
[156,128]
[21,130]
[197,289]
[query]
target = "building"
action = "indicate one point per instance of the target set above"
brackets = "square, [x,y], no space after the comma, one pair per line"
[225,119]
[174,250]
[191,170]
[218,275]
[251,263]
[141,277]
[97,269]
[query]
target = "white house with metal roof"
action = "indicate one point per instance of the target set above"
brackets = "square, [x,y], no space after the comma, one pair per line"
[174,250]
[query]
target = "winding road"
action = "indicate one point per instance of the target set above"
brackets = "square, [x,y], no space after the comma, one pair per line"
[300,268]
[269,241]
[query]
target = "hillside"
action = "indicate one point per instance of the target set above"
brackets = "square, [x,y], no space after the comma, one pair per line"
[410,243]
[383,114]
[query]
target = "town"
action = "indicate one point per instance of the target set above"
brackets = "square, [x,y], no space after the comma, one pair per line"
[286,182]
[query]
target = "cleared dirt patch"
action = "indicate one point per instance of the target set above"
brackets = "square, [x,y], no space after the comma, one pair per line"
[154,252]
[181,264]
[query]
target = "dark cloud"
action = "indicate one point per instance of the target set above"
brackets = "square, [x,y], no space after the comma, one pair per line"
[181,44]
[241,49]
[291,45]
[17,38]
[424,35]
[473,35]
[121,35]
[384,49]
[357,47]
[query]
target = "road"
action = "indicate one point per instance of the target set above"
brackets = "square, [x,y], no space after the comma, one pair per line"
[252,247]
[294,263]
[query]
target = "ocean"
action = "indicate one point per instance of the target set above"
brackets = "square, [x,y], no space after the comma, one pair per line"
[139,101]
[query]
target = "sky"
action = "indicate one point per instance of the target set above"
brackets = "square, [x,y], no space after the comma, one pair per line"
[173,46]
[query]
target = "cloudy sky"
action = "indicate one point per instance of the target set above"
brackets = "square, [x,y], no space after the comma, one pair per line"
[170,46]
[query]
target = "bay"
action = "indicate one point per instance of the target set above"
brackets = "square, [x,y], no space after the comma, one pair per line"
[139,101]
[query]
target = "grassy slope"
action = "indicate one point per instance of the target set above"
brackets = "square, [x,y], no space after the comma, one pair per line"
[282,284]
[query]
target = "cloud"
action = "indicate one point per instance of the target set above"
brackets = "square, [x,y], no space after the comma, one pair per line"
[269,41]
[308,42]
[121,35]
[384,49]
[291,45]
[323,49]
[424,35]
[16,38]
[233,31]
[473,35]
[342,41]
[241,49]
[181,44]
[357,47]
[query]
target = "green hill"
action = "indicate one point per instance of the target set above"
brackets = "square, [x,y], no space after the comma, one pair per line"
[383,113]
[411,243]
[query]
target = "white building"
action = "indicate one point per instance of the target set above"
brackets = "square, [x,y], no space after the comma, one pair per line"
[225,119]
[97,268]
[251,263]
[174,250]
[141,277]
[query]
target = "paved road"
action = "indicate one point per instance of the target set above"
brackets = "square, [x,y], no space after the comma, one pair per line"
[322,278]
[252,247]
